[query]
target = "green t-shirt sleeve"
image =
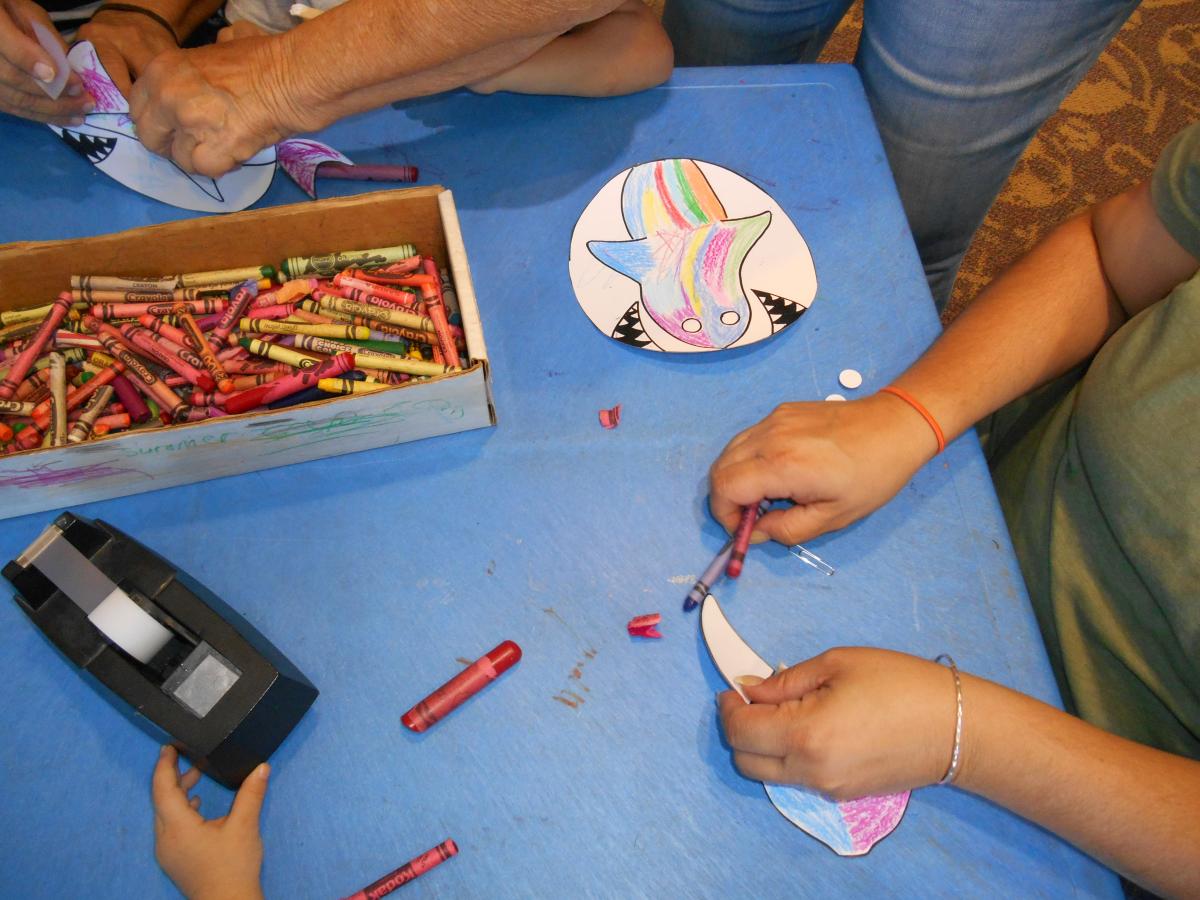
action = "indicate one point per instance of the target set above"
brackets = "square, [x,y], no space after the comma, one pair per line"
[1175,188]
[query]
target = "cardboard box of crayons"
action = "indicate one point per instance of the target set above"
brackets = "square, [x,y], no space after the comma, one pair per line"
[144,459]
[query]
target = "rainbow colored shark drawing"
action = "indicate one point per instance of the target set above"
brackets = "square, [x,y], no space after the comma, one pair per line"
[687,254]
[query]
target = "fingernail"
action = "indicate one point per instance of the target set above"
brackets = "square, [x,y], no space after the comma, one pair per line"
[88,106]
[78,120]
[74,90]
[43,72]
[162,751]
[757,537]
[748,680]
[779,667]
[262,771]
[717,697]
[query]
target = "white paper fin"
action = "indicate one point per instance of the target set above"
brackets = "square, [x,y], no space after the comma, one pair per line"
[107,140]
[849,828]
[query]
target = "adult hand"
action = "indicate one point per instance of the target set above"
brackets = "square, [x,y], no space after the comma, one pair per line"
[852,722]
[836,461]
[126,43]
[23,62]
[208,858]
[212,108]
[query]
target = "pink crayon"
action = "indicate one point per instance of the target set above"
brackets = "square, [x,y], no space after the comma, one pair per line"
[148,343]
[22,364]
[239,300]
[143,379]
[341,171]
[158,326]
[289,384]
[206,307]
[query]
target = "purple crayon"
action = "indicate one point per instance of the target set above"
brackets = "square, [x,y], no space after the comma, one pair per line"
[705,582]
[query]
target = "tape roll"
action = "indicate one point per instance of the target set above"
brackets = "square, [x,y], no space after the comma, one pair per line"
[129,626]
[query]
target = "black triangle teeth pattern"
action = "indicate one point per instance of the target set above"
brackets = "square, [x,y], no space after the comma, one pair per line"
[94,149]
[629,330]
[783,312]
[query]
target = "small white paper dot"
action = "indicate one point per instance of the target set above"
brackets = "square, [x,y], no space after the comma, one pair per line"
[850,378]
[835,397]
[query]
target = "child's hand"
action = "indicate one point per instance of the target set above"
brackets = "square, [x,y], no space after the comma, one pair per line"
[849,723]
[214,858]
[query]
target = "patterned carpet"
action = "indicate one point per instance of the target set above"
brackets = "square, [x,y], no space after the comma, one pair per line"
[1104,139]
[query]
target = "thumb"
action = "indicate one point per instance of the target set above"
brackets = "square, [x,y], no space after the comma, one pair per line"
[796,524]
[21,48]
[247,805]
[792,684]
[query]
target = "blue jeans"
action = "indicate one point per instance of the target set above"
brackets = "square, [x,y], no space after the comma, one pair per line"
[957,87]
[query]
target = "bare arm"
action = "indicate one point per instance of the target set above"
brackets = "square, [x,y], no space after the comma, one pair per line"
[214,107]
[856,721]
[1130,806]
[1050,311]
[623,52]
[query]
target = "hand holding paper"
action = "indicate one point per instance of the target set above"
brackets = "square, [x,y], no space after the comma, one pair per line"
[851,722]
[32,80]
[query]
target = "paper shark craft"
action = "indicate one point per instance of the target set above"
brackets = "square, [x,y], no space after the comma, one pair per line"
[689,260]
[848,827]
[108,141]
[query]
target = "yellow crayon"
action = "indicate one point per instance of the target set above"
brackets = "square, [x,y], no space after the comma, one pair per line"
[272,326]
[347,386]
[377,313]
[280,354]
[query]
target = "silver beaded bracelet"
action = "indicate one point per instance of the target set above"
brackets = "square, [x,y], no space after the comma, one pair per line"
[952,771]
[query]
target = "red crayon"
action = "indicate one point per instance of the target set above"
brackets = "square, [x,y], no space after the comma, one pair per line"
[407,872]
[741,537]
[404,174]
[466,684]
[23,363]
[437,312]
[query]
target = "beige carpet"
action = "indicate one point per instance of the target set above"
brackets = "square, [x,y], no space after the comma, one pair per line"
[1104,139]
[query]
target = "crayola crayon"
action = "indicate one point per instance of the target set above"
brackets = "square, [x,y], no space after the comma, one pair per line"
[82,429]
[329,264]
[24,362]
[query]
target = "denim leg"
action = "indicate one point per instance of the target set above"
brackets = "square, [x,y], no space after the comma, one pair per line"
[958,88]
[750,32]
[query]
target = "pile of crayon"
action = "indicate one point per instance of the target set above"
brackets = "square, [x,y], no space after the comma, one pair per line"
[116,352]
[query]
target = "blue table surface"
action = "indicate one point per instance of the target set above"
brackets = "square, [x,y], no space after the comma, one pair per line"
[596,767]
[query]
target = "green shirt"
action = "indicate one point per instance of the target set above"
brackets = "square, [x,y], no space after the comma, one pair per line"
[1099,477]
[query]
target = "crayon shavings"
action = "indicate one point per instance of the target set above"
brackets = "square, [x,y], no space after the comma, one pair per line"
[611,418]
[645,626]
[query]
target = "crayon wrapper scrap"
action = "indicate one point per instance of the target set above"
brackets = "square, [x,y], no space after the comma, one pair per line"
[645,626]
[611,418]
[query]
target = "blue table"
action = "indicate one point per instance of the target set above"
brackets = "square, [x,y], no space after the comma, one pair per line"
[596,767]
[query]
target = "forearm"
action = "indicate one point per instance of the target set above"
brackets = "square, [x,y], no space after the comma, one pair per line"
[1128,805]
[625,51]
[185,16]
[386,50]
[1049,312]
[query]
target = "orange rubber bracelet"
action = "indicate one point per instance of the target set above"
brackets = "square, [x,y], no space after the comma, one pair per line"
[925,414]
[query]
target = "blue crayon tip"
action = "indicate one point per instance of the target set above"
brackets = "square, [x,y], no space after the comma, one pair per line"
[689,604]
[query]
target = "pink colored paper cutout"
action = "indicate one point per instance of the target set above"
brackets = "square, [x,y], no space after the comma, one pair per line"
[301,157]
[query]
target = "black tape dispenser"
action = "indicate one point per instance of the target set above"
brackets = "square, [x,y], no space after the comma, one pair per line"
[185,662]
